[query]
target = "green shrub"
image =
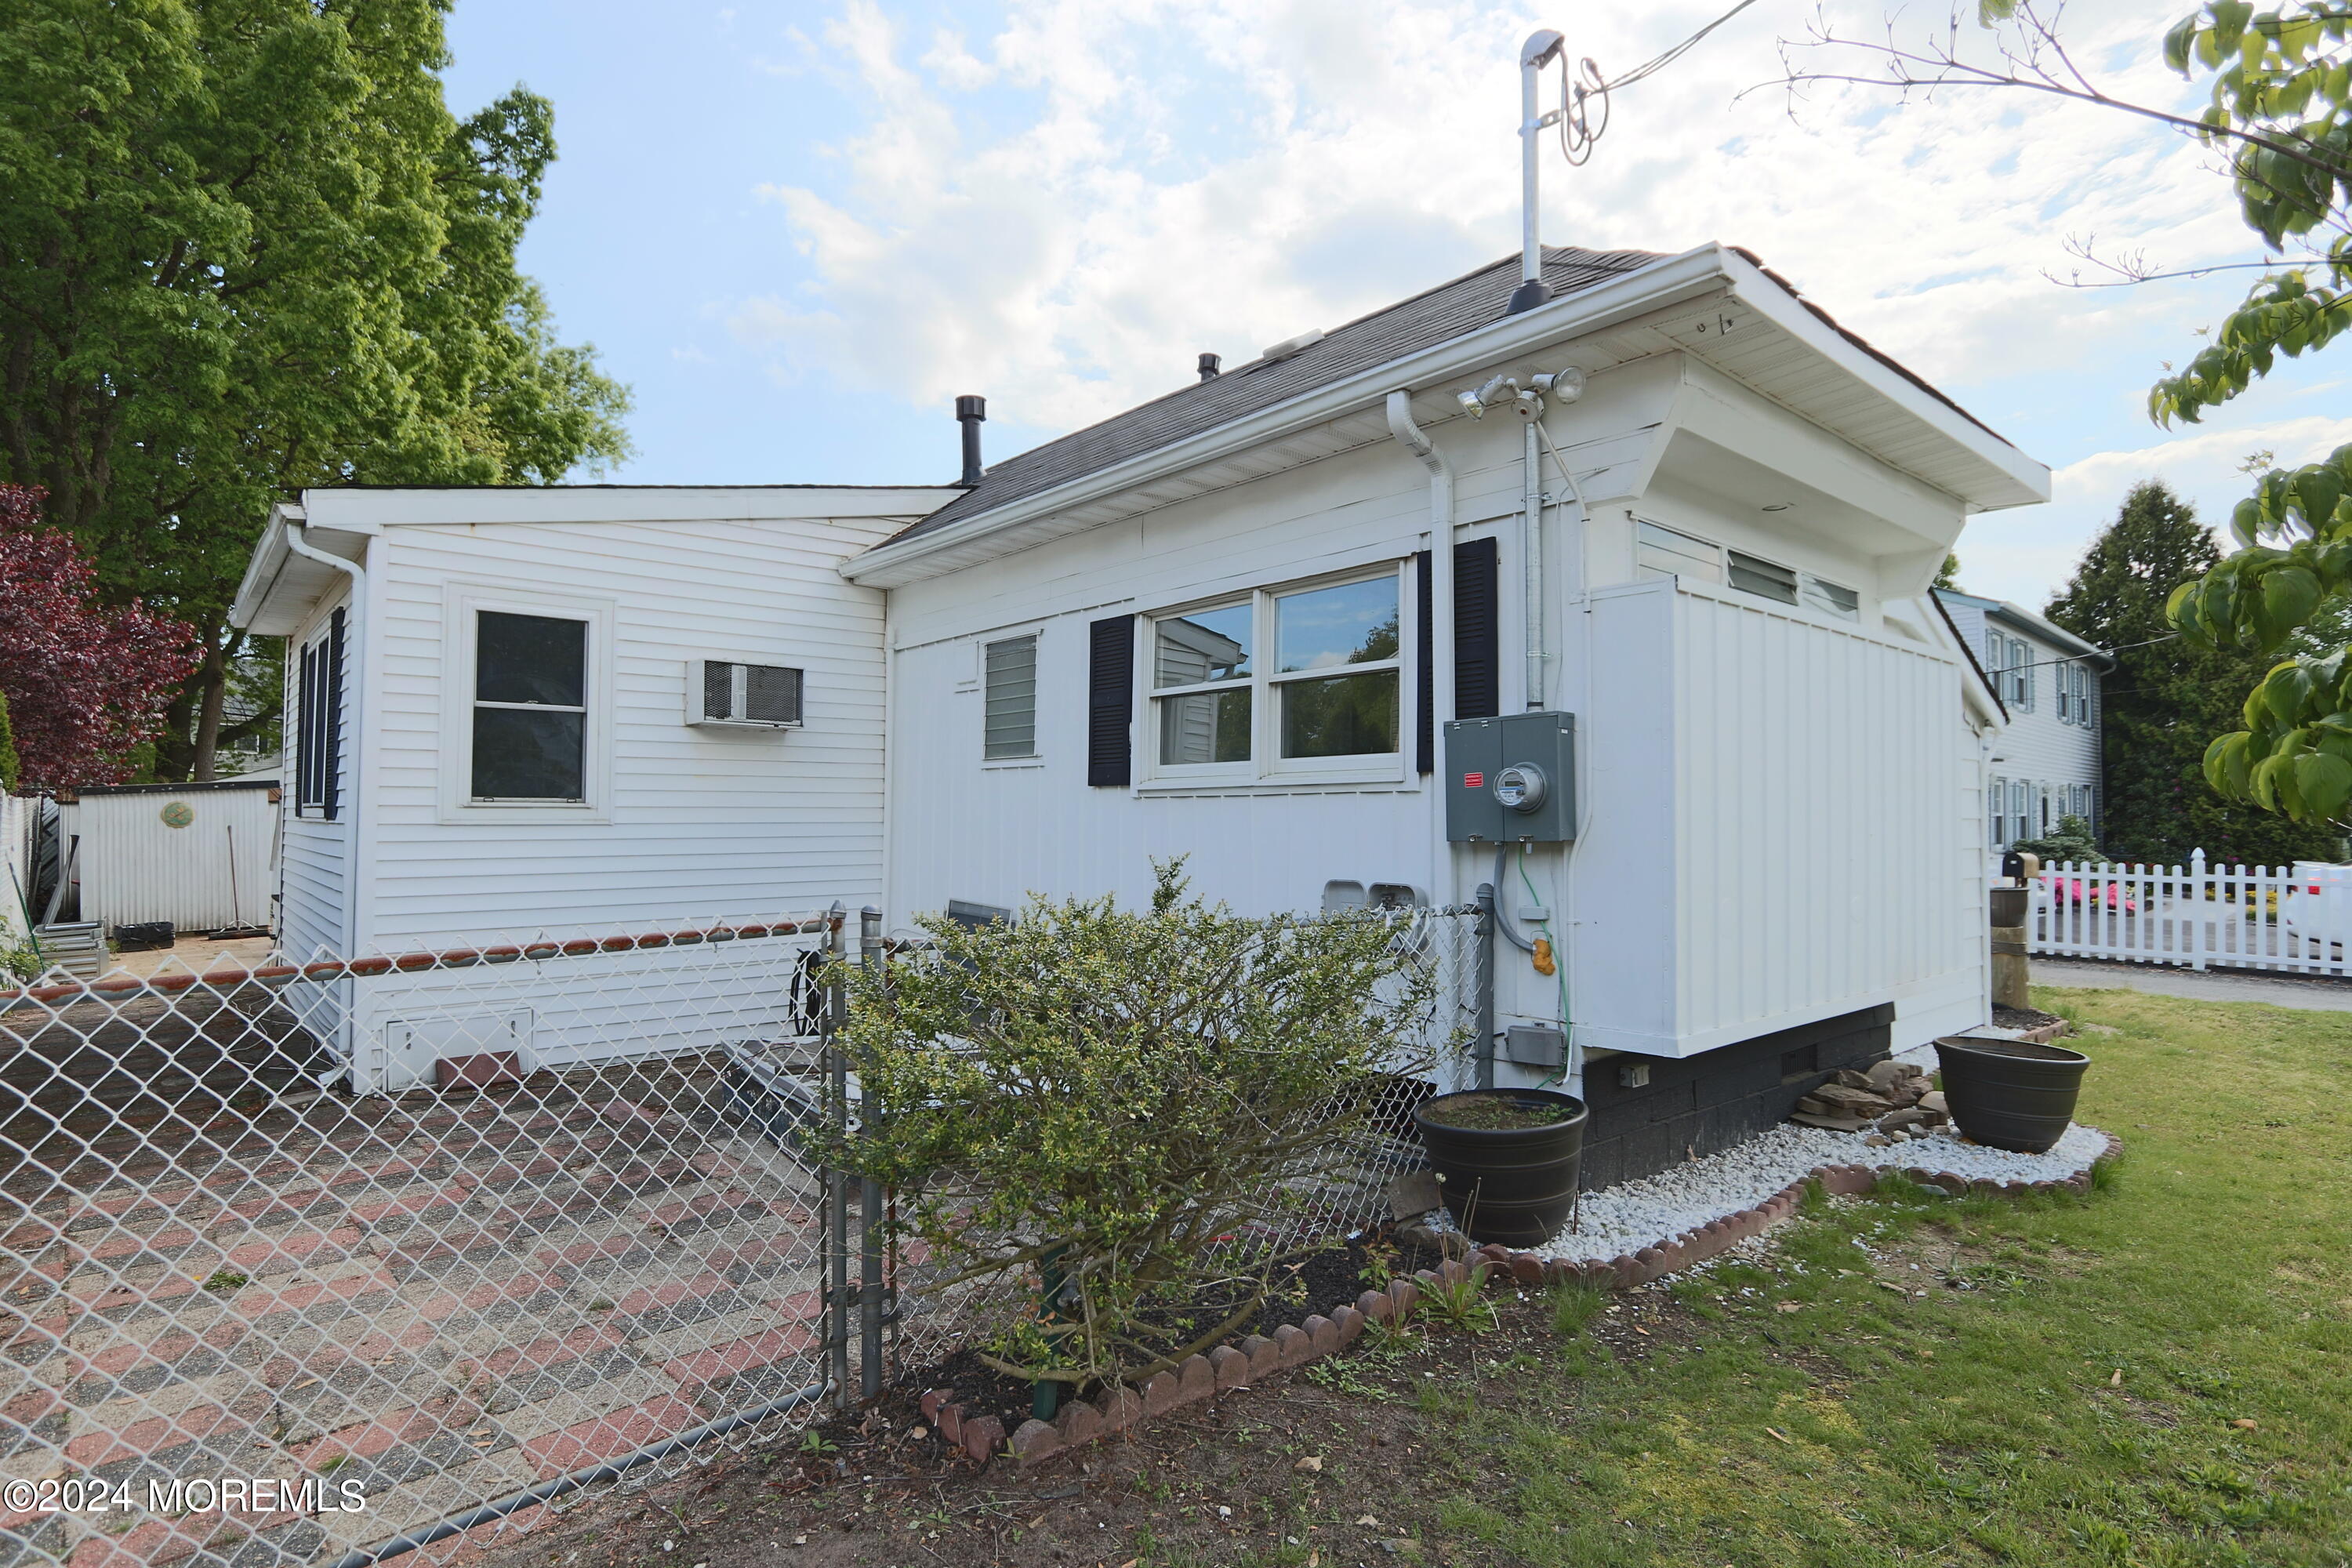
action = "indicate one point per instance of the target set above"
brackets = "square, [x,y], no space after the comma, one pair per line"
[1131,1111]
[2070,843]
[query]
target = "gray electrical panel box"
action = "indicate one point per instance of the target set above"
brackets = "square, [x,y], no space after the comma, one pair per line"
[1511,780]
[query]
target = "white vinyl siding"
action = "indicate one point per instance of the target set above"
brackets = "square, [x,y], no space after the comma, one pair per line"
[314,869]
[1009,722]
[688,822]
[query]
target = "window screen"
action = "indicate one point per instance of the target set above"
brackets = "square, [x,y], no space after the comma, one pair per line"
[1832,598]
[1763,578]
[531,708]
[1010,727]
[318,724]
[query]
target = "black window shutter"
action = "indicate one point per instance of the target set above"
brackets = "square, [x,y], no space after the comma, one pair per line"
[1110,701]
[306,743]
[1424,668]
[1477,639]
[331,790]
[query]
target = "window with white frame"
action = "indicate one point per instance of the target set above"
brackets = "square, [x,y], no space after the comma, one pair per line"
[1009,681]
[529,732]
[1328,699]
[1997,812]
[1665,552]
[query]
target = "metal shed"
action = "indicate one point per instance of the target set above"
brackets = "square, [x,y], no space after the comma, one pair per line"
[201,856]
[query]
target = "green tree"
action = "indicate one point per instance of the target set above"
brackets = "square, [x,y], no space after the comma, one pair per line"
[2166,696]
[8,765]
[1947,575]
[244,247]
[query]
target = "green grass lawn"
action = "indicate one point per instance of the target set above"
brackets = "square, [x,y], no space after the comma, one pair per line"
[2158,1374]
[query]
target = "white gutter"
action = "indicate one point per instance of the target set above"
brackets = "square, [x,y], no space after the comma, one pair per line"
[1674,281]
[355,690]
[1440,630]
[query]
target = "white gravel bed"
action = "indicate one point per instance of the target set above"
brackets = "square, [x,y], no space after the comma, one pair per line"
[1653,1210]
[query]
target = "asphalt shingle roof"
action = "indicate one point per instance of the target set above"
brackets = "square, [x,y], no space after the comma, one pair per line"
[1448,311]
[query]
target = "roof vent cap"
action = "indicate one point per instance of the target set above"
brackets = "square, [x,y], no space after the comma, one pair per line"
[1209,367]
[1288,347]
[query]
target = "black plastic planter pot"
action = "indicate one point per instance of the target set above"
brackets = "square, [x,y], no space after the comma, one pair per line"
[2010,1094]
[1514,1185]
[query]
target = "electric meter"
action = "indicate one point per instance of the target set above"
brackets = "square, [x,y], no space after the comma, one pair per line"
[1522,787]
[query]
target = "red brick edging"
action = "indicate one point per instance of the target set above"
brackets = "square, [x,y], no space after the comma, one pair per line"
[1228,1367]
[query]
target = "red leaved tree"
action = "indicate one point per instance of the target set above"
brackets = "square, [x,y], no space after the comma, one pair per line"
[86,683]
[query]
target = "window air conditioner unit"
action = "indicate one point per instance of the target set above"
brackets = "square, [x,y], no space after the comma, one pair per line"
[755,696]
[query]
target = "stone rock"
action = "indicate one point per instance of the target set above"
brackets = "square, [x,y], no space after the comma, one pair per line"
[1413,1194]
[982,1437]
[1350,1324]
[1844,1100]
[1079,1422]
[1164,1392]
[1834,1123]
[1933,1100]
[1121,1409]
[1448,1244]
[1035,1440]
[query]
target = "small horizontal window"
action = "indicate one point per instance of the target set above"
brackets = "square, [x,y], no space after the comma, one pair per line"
[1831,599]
[1663,553]
[1752,574]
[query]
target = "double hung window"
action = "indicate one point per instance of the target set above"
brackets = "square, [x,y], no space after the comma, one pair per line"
[1281,680]
[531,708]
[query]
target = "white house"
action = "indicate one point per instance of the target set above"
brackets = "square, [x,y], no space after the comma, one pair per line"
[2047,765]
[1690,513]
[502,708]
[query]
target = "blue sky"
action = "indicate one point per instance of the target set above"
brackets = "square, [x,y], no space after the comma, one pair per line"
[799,230]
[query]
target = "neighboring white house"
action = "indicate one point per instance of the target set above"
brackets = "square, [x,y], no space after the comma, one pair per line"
[1233,623]
[2047,765]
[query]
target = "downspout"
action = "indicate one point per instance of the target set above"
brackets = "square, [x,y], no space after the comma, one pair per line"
[355,693]
[1441,616]
[1531,530]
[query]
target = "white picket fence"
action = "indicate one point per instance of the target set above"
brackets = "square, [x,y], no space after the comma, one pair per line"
[2297,919]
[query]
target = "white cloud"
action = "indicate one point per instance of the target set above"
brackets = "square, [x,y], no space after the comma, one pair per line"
[2024,555]
[1062,213]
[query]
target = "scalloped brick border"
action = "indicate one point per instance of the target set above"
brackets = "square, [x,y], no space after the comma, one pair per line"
[1258,1357]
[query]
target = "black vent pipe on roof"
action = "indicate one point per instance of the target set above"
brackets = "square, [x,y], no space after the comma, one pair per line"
[970,412]
[1208,363]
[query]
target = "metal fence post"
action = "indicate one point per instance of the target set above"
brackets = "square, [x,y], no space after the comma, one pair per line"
[870,1203]
[1484,981]
[836,1183]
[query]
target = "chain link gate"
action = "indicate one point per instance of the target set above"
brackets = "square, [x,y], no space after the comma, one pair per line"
[565,1235]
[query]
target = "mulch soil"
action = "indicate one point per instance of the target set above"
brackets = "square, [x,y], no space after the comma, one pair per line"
[2021,1018]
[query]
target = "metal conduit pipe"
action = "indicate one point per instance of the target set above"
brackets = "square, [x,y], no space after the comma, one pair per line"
[1502,886]
[1440,632]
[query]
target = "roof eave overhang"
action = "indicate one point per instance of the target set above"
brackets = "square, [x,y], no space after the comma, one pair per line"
[2006,476]
[274,598]
[2003,476]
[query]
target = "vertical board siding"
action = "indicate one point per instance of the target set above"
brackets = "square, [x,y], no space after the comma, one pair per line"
[217,871]
[701,822]
[1819,863]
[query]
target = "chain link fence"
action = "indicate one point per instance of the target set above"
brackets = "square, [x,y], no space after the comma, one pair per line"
[316,1261]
